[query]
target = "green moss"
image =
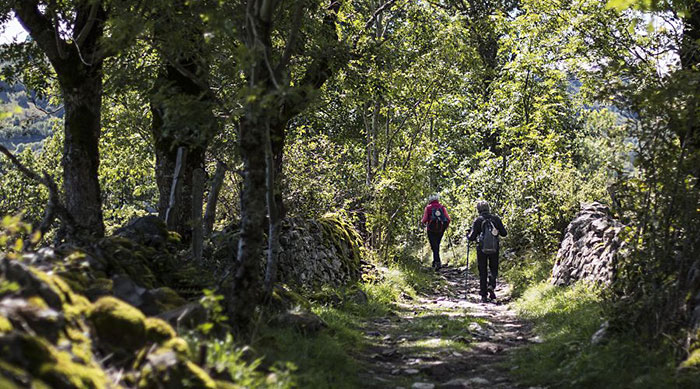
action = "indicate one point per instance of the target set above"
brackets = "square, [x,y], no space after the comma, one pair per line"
[5,325]
[52,366]
[158,331]
[167,369]
[12,377]
[343,236]
[287,298]
[64,373]
[227,385]
[81,346]
[201,377]
[37,302]
[178,345]
[117,323]
[693,361]
[78,281]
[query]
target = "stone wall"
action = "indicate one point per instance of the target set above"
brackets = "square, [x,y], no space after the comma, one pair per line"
[590,249]
[319,252]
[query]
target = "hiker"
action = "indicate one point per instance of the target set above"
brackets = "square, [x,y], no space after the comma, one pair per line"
[486,230]
[435,219]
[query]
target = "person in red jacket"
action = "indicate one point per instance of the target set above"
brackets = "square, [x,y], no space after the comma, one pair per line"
[435,219]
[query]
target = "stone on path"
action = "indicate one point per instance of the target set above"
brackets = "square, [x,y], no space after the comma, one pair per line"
[459,383]
[422,385]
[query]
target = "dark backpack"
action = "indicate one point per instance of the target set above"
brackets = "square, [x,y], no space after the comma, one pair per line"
[438,219]
[489,241]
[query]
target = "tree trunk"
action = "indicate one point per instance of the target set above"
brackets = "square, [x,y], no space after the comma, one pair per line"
[213,198]
[78,67]
[245,291]
[196,207]
[82,95]
[274,219]
[182,107]
[182,117]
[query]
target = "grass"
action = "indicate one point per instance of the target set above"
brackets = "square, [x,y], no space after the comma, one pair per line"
[565,319]
[324,359]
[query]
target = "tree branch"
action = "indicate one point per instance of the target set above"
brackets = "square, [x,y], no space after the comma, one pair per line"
[54,205]
[85,30]
[41,29]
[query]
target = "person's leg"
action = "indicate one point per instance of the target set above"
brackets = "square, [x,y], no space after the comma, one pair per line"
[436,259]
[434,247]
[493,270]
[481,260]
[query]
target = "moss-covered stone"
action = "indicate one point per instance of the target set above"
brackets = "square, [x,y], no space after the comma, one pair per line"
[99,287]
[158,330]
[178,345]
[286,299]
[12,377]
[693,361]
[165,368]
[118,324]
[160,300]
[5,325]
[50,365]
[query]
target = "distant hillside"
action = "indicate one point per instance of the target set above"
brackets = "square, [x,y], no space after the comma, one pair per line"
[25,121]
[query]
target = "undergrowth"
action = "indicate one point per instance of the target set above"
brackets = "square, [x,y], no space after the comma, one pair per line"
[565,319]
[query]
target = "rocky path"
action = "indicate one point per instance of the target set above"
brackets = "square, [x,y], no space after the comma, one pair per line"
[447,339]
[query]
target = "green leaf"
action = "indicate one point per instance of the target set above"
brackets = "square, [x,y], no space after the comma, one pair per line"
[620,5]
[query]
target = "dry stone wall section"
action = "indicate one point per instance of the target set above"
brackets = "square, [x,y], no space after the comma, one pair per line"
[590,249]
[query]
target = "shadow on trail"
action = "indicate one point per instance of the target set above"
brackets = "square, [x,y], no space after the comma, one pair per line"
[444,339]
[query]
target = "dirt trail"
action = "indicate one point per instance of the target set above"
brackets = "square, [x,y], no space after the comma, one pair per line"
[447,339]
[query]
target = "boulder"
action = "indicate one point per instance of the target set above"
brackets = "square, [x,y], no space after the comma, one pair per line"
[165,368]
[148,231]
[118,324]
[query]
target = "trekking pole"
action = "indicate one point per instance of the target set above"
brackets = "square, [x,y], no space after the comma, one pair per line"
[466,272]
[449,240]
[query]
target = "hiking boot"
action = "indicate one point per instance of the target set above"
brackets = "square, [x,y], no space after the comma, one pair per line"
[492,294]
[484,299]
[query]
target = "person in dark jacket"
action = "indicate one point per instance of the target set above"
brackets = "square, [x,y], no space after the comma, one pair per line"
[435,230]
[486,287]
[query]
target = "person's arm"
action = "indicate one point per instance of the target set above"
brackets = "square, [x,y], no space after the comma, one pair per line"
[501,228]
[476,229]
[426,215]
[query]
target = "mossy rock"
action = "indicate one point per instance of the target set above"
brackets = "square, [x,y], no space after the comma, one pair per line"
[693,361]
[50,365]
[284,298]
[5,325]
[98,288]
[160,300]
[118,324]
[165,368]
[158,330]
[12,377]
[178,345]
